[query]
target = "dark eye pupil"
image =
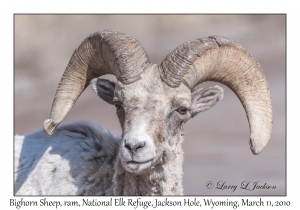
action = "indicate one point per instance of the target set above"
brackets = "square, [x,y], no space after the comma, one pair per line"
[182,110]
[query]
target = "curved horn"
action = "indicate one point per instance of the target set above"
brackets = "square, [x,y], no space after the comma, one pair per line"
[222,60]
[103,52]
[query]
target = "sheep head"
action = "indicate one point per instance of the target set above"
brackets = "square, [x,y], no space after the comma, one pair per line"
[153,101]
[152,115]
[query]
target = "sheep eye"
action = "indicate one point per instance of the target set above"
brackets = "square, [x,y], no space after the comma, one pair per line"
[118,105]
[182,110]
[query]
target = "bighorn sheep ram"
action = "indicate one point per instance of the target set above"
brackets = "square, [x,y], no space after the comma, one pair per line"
[152,102]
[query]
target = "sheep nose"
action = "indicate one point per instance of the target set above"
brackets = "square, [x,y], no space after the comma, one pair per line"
[134,147]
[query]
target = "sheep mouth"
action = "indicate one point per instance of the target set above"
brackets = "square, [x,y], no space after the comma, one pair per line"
[139,162]
[137,166]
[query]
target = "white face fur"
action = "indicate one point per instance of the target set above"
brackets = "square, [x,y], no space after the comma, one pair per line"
[152,115]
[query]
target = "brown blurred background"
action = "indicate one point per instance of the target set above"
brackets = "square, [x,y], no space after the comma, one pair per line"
[216,142]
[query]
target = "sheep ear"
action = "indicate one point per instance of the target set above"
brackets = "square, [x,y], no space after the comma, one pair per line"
[104,89]
[204,99]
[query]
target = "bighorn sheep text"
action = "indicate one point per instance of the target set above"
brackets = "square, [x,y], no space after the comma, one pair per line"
[152,102]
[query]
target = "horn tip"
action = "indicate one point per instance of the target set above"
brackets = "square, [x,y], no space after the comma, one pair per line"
[49,126]
[257,145]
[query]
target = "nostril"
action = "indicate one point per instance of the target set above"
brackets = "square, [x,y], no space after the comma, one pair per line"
[128,146]
[139,146]
[133,148]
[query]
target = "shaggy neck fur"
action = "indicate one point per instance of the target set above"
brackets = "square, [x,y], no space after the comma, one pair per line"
[165,178]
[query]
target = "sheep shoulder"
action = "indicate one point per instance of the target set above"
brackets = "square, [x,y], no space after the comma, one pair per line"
[78,159]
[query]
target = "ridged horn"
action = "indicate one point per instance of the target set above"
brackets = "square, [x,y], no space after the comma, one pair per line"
[221,60]
[103,52]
